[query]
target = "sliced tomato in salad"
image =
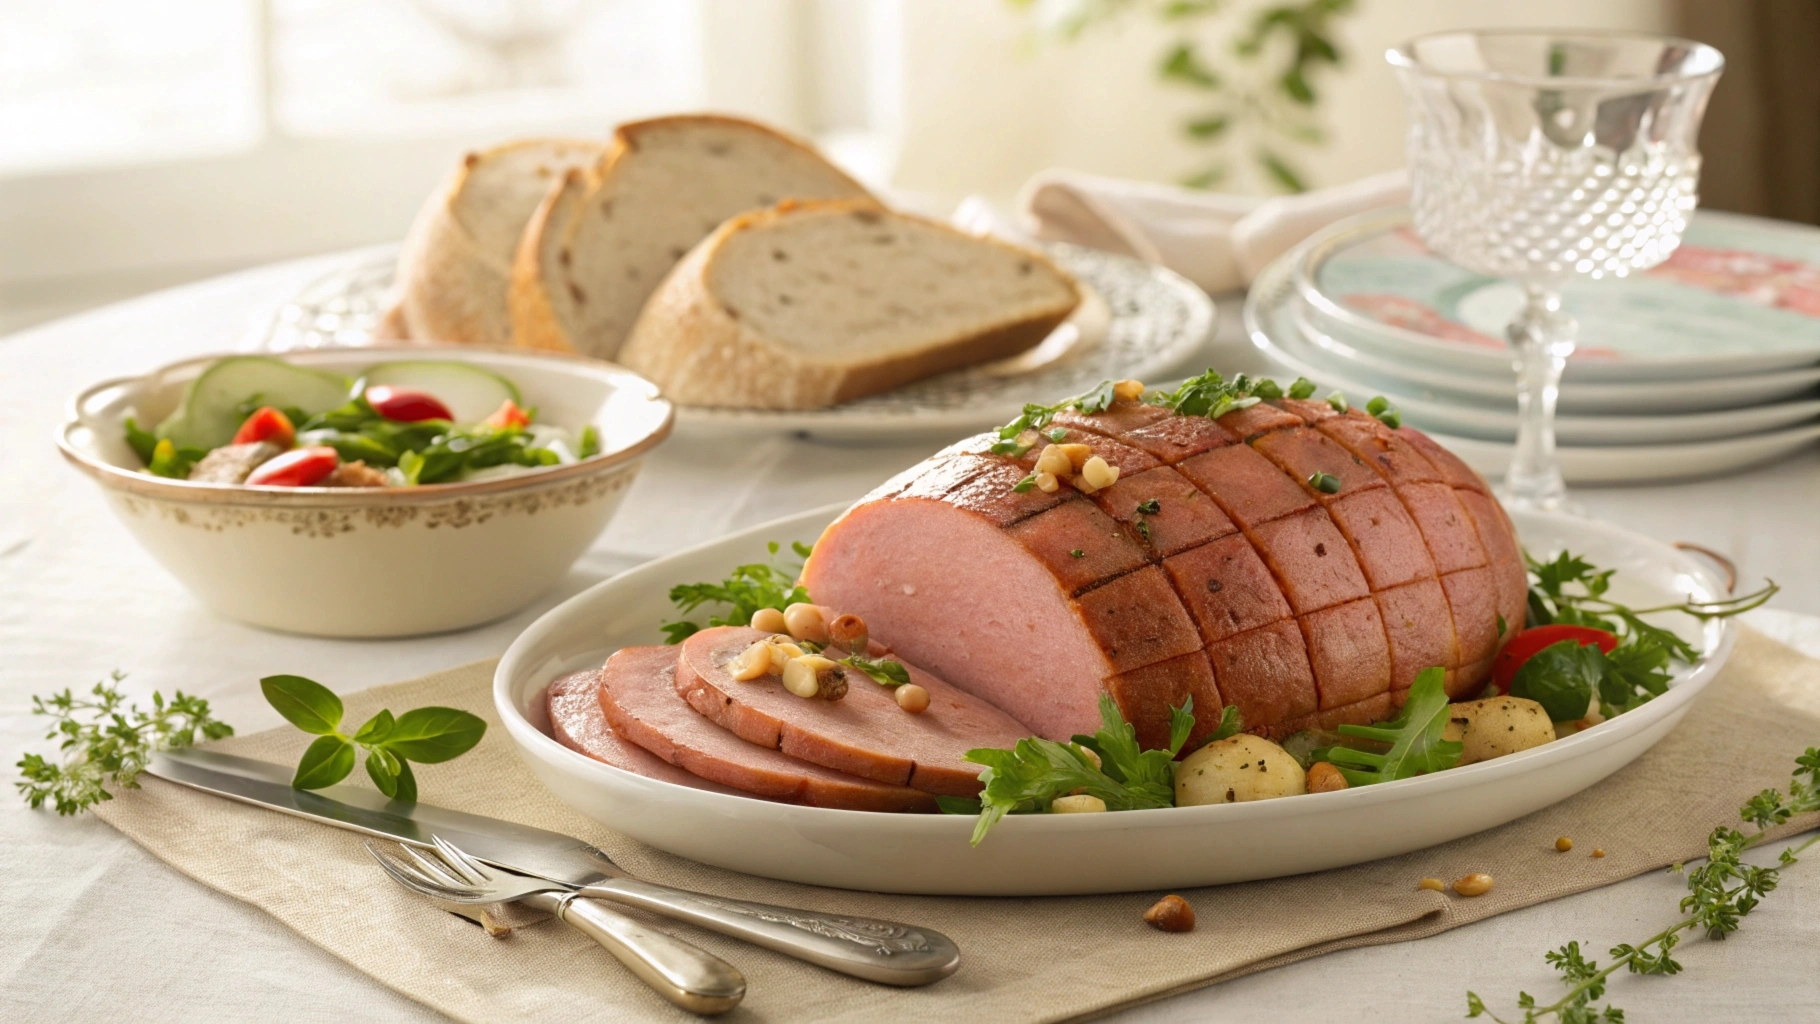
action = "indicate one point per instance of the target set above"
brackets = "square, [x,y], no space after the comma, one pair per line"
[1524,646]
[405,405]
[507,416]
[300,467]
[266,424]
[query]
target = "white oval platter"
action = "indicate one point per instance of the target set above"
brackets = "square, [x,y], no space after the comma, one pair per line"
[1138,320]
[1029,855]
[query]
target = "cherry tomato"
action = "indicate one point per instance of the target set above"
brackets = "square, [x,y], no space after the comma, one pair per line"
[299,467]
[1524,645]
[267,424]
[507,415]
[406,406]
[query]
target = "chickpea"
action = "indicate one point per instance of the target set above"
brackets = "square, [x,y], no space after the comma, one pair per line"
[806,622]
[912,698]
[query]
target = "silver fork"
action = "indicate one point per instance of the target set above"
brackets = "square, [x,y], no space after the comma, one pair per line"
[864,947]
[687,975]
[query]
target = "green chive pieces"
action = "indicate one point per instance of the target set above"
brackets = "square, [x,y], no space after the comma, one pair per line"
[1150,508]
[1078,553]
[1025,484]
[1385,412]
[1326,483]
[1338,401]
[1302,388]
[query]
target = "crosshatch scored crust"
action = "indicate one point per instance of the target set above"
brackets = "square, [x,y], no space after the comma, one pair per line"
[1306,609]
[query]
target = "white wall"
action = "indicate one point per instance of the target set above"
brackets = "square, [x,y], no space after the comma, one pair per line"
[982,111]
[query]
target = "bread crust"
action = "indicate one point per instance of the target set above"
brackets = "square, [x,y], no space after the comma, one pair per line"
[700,352]
[533,319]
[450,287]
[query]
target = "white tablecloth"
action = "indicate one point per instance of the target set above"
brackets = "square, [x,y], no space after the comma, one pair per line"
[98,930]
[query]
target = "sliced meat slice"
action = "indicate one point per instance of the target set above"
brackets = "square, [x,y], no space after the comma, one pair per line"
[1249,487]
[1348,651]
[1302,452]
[638,696]
[1311,560]
[1179,437]
[1184,516]
[1227,588]
[577,722]
[864,733]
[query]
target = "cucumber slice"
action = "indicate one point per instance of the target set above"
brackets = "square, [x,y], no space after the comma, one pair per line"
[209,414]
[470,392]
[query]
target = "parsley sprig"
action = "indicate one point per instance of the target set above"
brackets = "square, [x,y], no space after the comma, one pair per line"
[747,589]
[1416,744]
[1720,893]
[1565,677]
[107,740]
[1212,395]
[1036,417]
[884,671]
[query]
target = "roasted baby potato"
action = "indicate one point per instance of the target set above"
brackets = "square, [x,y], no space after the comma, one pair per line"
[1237,769]
[1497,726]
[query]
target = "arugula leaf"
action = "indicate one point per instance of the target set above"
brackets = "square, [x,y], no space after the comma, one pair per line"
[746,590]
[1026,778]
[1415,738]
[1231,723]
[1562,677]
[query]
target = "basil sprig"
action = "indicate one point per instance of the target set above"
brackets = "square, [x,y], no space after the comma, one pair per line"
[425,735]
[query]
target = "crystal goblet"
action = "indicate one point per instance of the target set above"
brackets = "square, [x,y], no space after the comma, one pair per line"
[1542,156]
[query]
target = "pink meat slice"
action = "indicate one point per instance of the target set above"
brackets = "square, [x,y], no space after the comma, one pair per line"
[639,699]
[1298,605]
[577,722]
[864,733]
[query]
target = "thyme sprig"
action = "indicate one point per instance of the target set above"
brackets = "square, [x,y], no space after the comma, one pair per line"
[108,740]
[1720,893]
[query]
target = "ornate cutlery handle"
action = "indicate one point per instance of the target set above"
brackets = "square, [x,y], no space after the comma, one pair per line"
[690,977]
[864,947]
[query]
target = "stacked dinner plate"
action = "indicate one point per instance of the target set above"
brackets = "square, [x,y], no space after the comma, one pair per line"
[1708,363]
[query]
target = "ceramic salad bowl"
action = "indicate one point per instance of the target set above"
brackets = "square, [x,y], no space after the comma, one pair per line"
[376,561]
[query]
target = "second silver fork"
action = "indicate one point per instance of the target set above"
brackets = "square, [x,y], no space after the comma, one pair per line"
[864,947]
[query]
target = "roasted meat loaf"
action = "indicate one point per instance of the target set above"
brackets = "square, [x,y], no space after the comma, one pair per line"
[1212,568]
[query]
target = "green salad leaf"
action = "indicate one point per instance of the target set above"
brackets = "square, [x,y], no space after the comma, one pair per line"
[747,589]
[1026,778]
[1415,739]
[425,735]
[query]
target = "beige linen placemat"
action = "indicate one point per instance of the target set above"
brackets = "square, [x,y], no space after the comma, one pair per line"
[1026,959]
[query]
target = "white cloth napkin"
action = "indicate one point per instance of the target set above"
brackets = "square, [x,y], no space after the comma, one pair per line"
[1218,241]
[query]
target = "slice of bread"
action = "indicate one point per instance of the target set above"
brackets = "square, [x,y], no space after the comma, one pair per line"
[596,249]
[457,259]
[808,304]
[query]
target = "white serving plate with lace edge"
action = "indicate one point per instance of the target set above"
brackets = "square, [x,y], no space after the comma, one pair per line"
[1138,321]
[1031,855]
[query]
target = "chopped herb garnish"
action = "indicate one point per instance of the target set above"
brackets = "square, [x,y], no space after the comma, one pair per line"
[1338,401]
[746,590]
[884,671]
[1326,483]
[1380,407]
[1149,508]
[1025,484]
[1213,396]
[1058,435]
[1143,528]
[1078,553]
[1302,388]
[1036,417]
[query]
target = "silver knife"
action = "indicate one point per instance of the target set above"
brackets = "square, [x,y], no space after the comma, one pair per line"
[877,950]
